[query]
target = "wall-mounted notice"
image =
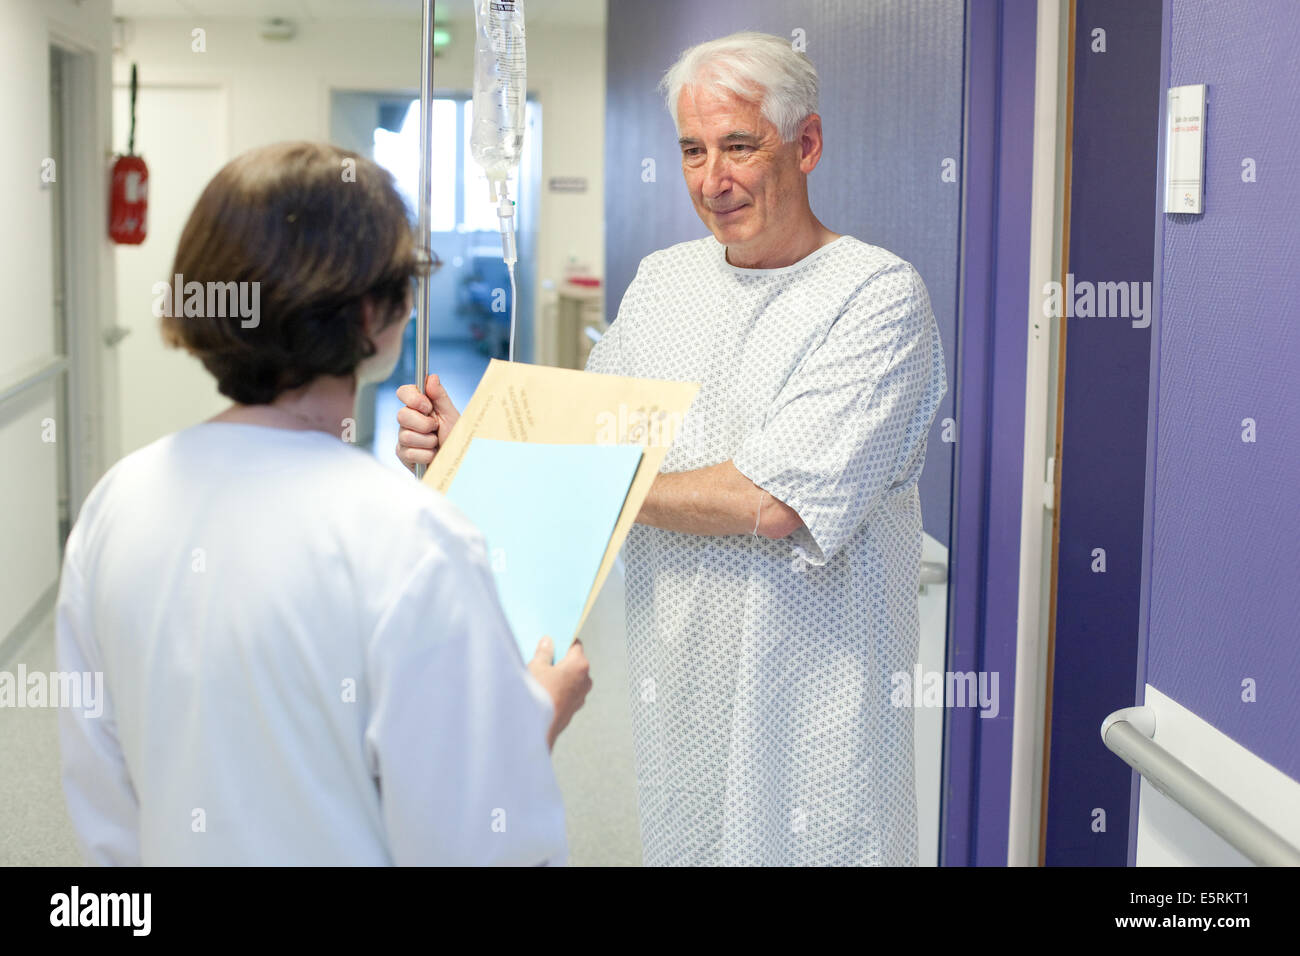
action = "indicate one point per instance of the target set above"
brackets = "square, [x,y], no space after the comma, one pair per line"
[1185,148]
[568,184]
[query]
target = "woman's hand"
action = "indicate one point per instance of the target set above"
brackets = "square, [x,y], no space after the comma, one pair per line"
[425,423]
[567,682]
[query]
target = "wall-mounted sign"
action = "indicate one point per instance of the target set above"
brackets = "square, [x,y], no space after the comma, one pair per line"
[1185,148]
[568,184]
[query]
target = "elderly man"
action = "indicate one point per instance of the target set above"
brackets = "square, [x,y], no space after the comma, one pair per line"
[772,574]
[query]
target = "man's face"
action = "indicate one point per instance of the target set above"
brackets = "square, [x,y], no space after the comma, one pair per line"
[745,183]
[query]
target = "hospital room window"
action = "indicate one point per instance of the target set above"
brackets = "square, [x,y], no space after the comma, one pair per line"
[458,200]
[467,324]
[399,152]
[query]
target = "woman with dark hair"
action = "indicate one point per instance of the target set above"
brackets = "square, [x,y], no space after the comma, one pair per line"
[304,659]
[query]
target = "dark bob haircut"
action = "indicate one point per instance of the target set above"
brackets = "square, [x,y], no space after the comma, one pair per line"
[320,230]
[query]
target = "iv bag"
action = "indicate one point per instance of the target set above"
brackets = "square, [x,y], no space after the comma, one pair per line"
[499,86]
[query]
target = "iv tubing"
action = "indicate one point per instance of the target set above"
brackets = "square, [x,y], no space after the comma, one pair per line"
[510,267]
[506,216]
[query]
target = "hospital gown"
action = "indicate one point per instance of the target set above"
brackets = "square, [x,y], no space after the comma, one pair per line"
[761,670]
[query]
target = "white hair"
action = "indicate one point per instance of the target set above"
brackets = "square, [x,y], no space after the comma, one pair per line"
[755,66]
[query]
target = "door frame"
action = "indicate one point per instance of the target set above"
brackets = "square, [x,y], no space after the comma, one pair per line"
[82,176]
[993,286]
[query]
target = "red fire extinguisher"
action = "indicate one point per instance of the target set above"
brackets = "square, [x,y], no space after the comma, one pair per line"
[129,193]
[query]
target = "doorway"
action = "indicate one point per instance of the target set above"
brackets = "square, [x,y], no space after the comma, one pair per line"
[469,296]
[164,389]
[75,231]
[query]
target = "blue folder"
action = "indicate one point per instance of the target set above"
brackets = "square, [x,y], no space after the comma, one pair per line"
[547,513]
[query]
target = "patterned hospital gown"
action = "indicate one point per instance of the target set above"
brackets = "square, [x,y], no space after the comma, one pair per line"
[761,669]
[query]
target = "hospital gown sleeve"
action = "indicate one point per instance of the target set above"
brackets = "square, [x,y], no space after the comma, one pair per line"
[97,787]
[853,418]
[457,732]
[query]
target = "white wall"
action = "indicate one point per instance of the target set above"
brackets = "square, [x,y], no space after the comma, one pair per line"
[28,480]
[280,91]
[164,389]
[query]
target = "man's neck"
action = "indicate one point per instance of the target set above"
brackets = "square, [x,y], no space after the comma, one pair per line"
[784,250]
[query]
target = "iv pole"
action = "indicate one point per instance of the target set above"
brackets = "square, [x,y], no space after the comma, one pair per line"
[426,104]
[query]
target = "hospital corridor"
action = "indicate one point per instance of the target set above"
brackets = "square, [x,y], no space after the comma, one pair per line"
[762,434]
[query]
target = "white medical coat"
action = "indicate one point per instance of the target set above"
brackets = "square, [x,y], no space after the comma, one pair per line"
[305,663]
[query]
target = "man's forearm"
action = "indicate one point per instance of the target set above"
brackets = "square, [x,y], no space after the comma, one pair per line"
[717,500]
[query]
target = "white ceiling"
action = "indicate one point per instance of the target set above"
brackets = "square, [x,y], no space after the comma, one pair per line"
[579,12]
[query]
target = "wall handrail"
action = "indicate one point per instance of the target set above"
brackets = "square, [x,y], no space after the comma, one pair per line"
[39,372]
[1129,732]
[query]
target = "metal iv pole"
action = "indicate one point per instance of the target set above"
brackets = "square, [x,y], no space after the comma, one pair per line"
[426,124]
